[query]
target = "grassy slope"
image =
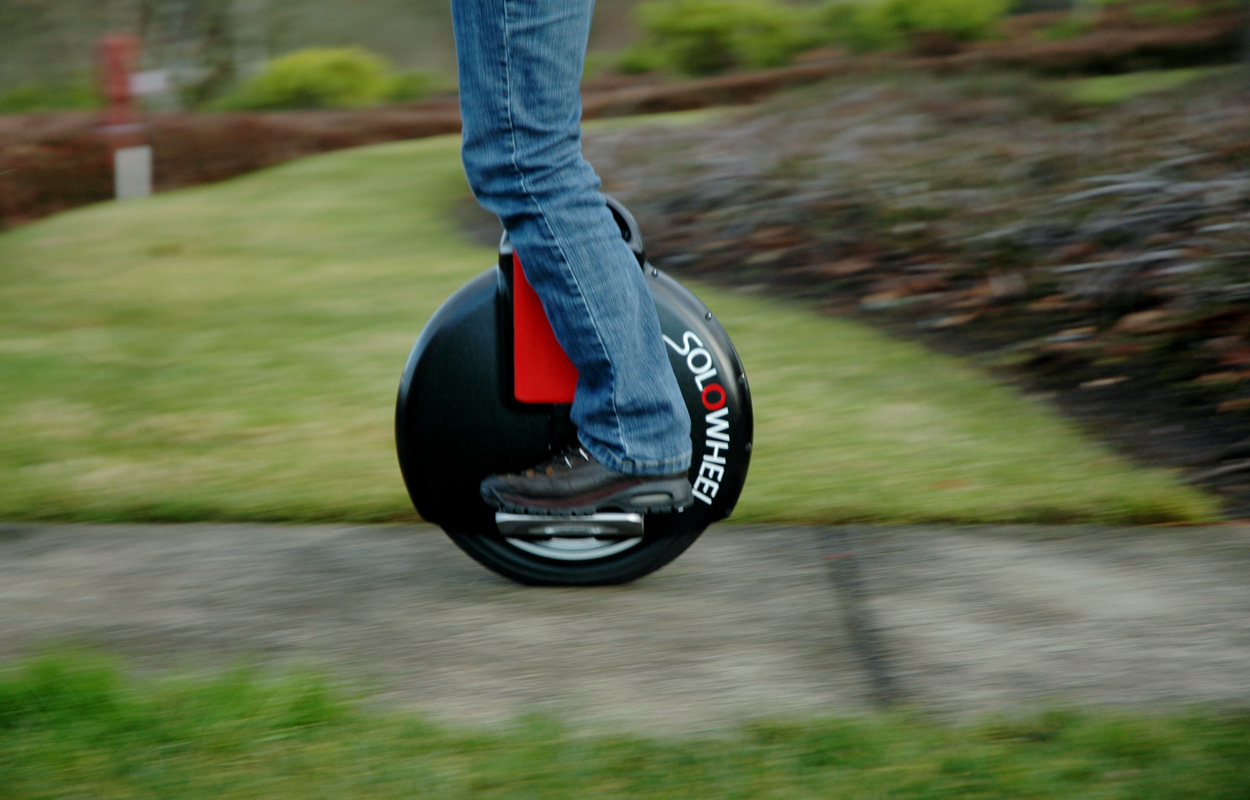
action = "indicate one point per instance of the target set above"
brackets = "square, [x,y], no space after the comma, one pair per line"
[75,727]
[48,41]
[232,352]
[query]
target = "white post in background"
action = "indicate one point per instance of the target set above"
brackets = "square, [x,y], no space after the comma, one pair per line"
[132,172]
[122,123]
[132,165]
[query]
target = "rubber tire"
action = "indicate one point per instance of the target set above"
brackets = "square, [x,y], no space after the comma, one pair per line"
[496,554]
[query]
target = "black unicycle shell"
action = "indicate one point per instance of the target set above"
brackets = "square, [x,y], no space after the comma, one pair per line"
[457,422]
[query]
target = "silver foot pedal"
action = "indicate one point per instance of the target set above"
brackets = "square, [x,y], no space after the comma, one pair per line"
[605,525]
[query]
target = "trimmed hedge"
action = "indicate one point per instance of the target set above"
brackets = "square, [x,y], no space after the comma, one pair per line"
[705,37]
[891,24]
[76,96]
[346,77]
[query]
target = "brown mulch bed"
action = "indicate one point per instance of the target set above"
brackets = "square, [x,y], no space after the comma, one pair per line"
[1101,256]
[52,162]
[1118,43]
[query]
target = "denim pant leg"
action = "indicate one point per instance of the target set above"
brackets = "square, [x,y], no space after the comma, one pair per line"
[520,67]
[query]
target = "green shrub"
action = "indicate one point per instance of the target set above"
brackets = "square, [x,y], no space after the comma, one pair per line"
[1161,13]
[315,78]
[863,27]
[49,97]
[963,19]
[1069,28]
[407,87]
[598,63]
[703,37]
[642,58]
[889,24]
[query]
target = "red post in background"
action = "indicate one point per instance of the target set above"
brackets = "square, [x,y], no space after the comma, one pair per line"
[122,122]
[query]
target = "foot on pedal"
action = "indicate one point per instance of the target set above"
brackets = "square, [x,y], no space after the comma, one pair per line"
[575,483]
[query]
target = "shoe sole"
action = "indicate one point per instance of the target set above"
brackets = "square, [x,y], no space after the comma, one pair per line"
[656,497]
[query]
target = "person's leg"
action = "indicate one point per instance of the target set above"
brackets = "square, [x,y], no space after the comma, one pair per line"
[520,70]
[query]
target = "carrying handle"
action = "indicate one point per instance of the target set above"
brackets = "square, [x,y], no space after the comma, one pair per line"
[630,232]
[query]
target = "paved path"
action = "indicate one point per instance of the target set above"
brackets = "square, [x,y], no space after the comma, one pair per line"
[750,621]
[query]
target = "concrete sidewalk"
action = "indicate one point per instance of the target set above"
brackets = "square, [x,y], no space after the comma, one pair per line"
[751,621]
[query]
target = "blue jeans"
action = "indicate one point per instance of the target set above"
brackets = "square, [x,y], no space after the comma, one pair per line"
[520,65]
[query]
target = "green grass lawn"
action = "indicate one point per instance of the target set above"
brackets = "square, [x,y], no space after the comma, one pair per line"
[232,352]
[72,725]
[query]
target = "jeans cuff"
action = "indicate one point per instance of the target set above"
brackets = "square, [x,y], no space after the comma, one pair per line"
[629,466]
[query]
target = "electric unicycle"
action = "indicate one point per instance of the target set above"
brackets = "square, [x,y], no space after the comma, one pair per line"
[487,390]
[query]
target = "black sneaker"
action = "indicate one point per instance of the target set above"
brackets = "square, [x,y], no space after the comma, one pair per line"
[574,483]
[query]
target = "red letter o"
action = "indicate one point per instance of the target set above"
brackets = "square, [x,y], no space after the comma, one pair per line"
[719,391]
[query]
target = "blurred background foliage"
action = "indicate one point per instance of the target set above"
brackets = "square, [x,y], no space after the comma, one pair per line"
[702,37]
[61,96]
[212,45]
[276,54]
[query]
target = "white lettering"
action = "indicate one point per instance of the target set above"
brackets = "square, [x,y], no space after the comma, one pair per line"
[716,439]
[717,425]
[700,353]
[712,487]
[686,339]
[702,376]
[711,470]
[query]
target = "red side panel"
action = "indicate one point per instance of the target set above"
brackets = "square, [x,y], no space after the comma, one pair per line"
[543,373]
